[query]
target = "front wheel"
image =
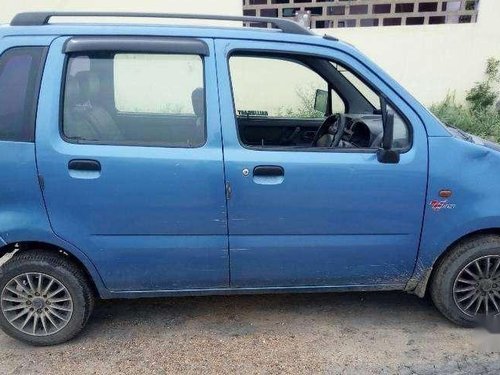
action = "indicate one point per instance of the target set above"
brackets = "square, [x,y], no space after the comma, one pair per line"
[44,299]
[466,285]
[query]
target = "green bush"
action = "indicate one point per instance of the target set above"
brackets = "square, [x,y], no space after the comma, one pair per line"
[483,95]
[479,116]
[485,124]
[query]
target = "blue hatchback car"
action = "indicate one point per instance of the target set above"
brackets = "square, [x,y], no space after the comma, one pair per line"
[154,160]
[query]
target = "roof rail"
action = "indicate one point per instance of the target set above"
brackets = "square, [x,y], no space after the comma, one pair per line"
[43,18]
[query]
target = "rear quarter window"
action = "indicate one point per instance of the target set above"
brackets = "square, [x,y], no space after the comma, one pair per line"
[20,75]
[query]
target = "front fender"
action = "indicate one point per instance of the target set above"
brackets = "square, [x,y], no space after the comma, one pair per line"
[471,172]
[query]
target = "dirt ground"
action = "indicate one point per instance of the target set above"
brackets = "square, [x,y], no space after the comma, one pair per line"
[310,333]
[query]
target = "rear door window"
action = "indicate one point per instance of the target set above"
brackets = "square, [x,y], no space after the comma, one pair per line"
[157,84]
[20,75]
[135,99]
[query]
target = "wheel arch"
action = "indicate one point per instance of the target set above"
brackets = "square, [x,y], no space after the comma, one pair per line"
[467,237]
[420,285]
[19,247]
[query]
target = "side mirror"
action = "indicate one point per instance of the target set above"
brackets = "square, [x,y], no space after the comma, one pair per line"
[386,154]
[321,101]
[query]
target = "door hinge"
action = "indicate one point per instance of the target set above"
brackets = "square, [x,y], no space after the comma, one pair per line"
[41,182]
[229,190]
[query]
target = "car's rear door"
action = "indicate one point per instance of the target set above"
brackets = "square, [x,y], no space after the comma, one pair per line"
[129,156]
[310,217]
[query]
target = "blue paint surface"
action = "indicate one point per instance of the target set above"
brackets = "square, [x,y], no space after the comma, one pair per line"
[471,171]
[156,222]
[337,218]
[148,221]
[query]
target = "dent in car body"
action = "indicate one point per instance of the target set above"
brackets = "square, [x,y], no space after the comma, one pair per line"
[469,170]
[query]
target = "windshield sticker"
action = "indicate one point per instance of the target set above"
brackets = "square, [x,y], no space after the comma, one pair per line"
[253,113]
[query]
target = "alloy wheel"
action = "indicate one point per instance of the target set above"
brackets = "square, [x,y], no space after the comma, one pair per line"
[476,290]
[36,304]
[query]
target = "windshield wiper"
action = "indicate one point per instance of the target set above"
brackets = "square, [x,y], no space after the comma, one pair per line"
[464,135]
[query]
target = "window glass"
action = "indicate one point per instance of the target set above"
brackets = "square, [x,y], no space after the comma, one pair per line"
[135,99]
[20,74]
[401,132]
[156,83]
[275,87]
[363,89]
[281,102]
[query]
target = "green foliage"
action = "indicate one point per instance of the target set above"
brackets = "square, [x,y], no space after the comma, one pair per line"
[485,124]
[483,95]
[166,108]
[479,116]
[305,108]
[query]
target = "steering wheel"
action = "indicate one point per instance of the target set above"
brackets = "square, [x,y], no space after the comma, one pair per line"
[335,125]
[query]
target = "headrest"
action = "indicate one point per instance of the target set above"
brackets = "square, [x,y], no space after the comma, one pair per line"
[198,100]
[90,85]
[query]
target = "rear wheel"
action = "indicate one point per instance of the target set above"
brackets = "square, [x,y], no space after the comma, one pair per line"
[466,285]
[44,299]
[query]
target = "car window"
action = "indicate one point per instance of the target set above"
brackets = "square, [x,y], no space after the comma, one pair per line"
[401,129]
[20,75]
[160,84]
[274,96]
[362,87]
[135,99]
[276,87]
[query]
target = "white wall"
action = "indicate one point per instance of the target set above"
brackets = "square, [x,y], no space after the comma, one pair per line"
[432,60]
[9,8]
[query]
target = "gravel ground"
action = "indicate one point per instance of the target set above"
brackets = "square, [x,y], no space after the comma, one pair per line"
[310,333]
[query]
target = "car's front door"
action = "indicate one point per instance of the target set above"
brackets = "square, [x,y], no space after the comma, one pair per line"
[299,216]
[129,154]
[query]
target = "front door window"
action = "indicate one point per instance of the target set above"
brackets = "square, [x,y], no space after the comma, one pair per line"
[282,101]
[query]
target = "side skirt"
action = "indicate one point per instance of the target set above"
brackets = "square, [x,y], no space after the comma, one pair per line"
[244,291]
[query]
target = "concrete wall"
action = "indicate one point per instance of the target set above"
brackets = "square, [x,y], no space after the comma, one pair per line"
[8,8]
[432,60]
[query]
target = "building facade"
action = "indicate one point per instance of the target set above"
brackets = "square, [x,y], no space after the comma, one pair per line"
[362,13]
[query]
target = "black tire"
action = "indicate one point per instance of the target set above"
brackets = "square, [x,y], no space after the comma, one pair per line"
[446,272]
[69,275]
